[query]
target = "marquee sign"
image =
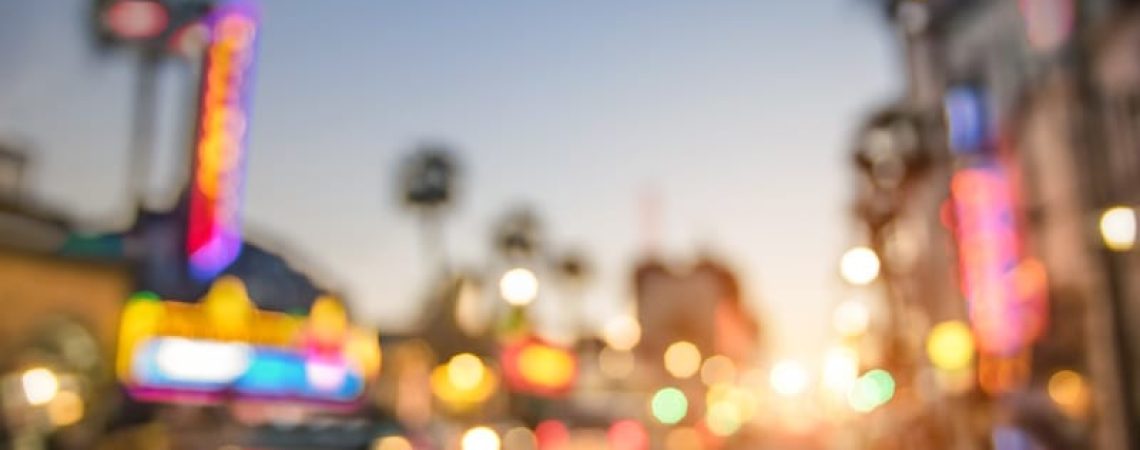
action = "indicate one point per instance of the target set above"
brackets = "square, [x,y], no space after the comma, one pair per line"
[224,347]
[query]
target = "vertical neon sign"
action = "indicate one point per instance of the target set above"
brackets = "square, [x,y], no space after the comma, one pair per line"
[1005,291]
[214,238]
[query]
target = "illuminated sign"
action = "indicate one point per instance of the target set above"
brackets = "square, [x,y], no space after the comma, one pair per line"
[223,346]
[1005,292]
[966,119]
[535,367]
[213,238]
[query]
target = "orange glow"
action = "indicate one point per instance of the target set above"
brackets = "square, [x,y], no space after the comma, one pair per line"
[997,375]
[546,366]
[536,367]
[461,399]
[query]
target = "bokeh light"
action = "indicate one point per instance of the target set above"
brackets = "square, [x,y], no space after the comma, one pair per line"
[859,266]
[465,371]
[1118,228]
[622,332]
[788,378]
[682,359]
[519,438]
[519,286]
[950,345]
[628,435]
[480,438]
[718,369]
[65,409]
[392,443]
[851,318]
[669,405]
[552,435]
[1070,392]
[840,369]
[40,385]
[723,418]
[873,389]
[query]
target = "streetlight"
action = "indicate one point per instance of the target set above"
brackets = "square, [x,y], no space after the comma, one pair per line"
[859,266]
[519,286]
[1118,228]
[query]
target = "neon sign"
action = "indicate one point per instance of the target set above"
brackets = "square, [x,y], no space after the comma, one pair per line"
[213,238]
[205,352]
[1004,291]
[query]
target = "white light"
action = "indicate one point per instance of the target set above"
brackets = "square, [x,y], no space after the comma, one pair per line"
[622,333]
[202,361]
[325,376]
[518,286]
[480,438]
[788,378]
[1118,228]
[859,266]
[40,386]
[851,318]
[840,369]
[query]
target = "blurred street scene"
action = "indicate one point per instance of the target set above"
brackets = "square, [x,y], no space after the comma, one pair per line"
[442,225]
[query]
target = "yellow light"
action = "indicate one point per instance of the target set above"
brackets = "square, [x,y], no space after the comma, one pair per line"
[461,400]
[622,332]
[392,443]
[519,438]
[65,409]
[950,345]
[546,366]
[140,320]
[718,369]
[723,419]
[615,364]
[363,348]
[1070,392]
[840,369]
[851,318]
[228,307]
[328,319]
[465,371]
[859,266]
[788,378]
[40,386]
[518,286]
[480,438]
[682,359]
[1118,228]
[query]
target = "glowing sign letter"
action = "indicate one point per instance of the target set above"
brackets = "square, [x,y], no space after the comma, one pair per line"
[213,239]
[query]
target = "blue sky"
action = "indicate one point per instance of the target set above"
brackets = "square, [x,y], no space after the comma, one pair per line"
[736,113]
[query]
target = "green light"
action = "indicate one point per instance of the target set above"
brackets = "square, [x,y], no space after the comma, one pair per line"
[144,296]
[669,405]
[871,391]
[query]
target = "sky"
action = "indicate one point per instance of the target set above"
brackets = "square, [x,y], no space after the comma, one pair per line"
[736,115]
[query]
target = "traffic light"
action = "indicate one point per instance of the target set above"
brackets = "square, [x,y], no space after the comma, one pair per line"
[150,24]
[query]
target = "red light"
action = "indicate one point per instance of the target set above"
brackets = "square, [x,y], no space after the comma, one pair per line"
[628,435]
[136,19]
[552,435]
